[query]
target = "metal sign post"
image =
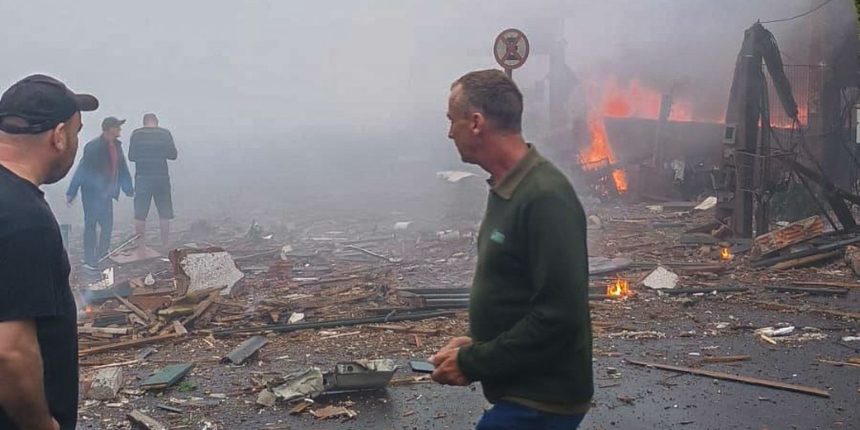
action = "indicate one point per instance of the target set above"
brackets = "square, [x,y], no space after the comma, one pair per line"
[511,50]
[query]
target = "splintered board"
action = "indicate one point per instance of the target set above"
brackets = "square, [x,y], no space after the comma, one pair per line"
[166,376]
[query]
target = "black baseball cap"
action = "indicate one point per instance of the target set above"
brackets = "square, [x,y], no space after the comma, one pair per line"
[111,122]
[39,103]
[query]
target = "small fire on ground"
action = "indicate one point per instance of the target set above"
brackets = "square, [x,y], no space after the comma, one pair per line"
[725,254]
[619,288]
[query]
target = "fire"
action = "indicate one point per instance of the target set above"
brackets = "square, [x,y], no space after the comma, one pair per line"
[600,153]
[725,254]
[622,101]
[618,288]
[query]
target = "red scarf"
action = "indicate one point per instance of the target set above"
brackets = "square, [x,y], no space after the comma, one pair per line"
[114,164]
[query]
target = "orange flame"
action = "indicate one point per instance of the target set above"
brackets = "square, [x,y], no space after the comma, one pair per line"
[600,153]
[618,288]
[725,254]
[630,99]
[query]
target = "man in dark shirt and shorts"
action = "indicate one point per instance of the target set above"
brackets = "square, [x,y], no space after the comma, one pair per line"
[39,124]
[150,148]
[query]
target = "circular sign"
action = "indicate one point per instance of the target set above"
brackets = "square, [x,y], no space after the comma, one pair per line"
[511,48]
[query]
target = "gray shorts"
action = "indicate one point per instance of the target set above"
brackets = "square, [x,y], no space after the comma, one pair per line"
[149,188]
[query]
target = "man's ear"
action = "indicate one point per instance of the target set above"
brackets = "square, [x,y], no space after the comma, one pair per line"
[59,139]
[477,122]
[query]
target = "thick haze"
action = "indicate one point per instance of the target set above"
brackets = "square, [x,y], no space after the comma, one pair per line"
[297,94]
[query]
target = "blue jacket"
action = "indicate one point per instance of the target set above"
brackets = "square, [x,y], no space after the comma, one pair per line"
[92,175]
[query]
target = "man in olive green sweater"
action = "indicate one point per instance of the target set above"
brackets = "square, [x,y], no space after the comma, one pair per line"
[530,329]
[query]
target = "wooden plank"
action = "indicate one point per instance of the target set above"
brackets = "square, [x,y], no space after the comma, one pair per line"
[167,376]
[105,366]
[838,363]
[737,378]
[137,311]
[811,290]
[103,330]
[725,359]
[201,307]
[709,290]
[805,261]
[245,350]
[148,423]
[828,284]
[127,344]
[178,328]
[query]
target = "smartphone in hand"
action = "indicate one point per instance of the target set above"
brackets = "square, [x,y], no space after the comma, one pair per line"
[421,366]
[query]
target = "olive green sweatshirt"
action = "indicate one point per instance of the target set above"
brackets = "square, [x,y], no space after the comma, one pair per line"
[528,310]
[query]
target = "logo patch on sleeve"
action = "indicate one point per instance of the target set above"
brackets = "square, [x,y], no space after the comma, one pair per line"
[497,237]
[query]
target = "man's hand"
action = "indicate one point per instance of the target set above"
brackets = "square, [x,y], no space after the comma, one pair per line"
[70,200]
[457,342]
[447,370]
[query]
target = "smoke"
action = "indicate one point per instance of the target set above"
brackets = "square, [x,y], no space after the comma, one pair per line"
[285,101]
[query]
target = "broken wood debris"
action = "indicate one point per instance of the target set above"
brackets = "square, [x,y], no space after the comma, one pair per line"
[814,291]
[806,261]
[736,378]
[148,423]
[128,344]
[285,328]
[792,234]
[724,359]
[137,311]
[707,290]
[166,376]
[333,412]
[811,252]
[852,258]
[245,350]
[828,284]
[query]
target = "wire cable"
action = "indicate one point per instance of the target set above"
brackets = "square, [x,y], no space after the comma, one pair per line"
[798,16]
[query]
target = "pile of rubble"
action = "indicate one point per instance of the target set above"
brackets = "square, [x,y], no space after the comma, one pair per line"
[237,321]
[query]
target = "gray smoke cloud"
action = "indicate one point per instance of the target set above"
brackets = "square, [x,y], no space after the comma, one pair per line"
[299,95]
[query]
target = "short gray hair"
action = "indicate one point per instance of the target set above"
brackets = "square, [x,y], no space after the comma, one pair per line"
[495,95]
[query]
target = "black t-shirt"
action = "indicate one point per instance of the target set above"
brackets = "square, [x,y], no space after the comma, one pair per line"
[34,284]
[150,148]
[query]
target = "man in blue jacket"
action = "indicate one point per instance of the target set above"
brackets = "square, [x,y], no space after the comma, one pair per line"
[102,173]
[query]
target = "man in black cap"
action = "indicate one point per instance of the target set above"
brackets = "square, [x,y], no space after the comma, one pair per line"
[100,176]
[39,124]
[149,148]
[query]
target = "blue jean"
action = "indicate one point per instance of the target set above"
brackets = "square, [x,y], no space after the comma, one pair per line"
[98,211]
[511,416]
